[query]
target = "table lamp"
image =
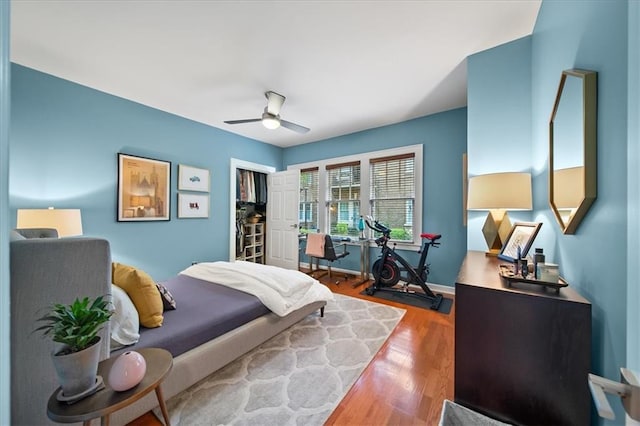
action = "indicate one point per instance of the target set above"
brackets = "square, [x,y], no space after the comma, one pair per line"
[499,192]
[68,222]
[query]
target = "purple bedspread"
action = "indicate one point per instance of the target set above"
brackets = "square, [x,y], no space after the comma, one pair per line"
[203,312]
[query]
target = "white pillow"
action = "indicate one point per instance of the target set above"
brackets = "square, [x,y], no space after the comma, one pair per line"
[125,322]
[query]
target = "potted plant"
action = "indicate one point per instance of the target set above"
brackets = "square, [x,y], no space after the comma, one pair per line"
[75,329]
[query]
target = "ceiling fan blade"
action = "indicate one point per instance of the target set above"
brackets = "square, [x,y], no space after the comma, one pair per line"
[275,101]
[247,120]
[293,126]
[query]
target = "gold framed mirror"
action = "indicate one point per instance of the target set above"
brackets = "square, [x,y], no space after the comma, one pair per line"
[572,148]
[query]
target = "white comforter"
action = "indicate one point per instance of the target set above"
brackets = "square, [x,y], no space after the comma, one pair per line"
[281,290]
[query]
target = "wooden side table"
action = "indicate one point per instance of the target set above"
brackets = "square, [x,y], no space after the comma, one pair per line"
[107,401]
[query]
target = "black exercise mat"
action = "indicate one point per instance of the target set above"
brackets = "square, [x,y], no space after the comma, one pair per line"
[409,299]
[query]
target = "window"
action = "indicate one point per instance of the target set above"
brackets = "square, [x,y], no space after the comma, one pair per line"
[385,184]
[343,182]
[392,190]
[308,212]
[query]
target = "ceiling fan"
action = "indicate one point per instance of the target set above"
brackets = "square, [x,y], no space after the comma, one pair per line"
[271,115]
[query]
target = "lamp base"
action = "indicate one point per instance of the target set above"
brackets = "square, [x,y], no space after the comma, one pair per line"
[496,230]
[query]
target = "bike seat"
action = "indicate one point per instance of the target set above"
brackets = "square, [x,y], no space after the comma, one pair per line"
[431,237]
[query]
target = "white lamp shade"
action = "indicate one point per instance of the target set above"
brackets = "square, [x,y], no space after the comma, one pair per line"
[500,191]
[68,222]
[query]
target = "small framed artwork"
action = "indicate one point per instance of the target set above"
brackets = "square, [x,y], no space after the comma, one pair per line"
[193,179]
[521,235]
[192,206]
[143,189]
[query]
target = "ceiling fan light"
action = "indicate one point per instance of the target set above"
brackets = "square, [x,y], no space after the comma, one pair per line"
[270,123]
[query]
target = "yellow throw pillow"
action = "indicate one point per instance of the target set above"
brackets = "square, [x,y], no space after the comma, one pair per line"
[143,292]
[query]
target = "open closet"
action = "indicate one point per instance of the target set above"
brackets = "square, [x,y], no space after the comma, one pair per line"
[248,213]
[264,227]
[251,212]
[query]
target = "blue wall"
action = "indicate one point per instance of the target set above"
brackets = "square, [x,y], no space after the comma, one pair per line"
[5,295]
[444,140]
[499,124]
[590,35]
[64,144]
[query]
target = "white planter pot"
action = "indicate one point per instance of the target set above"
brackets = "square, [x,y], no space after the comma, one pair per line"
[77,371]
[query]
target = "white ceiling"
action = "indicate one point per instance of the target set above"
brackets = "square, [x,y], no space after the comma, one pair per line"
[344,66]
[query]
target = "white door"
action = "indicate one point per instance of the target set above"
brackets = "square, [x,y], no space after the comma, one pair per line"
[282,218]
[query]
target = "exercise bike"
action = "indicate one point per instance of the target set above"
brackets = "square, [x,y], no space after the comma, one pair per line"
[387,273]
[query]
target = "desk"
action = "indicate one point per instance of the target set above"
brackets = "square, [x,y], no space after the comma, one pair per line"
[364,260]
[106,401]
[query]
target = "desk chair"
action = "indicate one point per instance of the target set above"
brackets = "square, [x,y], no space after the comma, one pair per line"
[320,247]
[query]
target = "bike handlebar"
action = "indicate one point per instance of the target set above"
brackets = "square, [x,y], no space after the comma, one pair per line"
[386,231]
[377,226]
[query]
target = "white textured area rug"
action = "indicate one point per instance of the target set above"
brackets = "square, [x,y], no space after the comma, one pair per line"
[295,378]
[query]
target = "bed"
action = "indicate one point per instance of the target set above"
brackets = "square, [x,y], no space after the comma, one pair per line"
[52,270]
[216,322]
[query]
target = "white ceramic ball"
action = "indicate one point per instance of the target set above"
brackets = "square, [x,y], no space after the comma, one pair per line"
[127,371]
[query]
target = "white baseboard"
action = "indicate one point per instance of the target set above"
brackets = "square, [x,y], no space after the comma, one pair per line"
[436,288]
[439,288]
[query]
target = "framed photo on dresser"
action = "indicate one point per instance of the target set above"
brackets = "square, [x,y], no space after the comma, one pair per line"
[521,236]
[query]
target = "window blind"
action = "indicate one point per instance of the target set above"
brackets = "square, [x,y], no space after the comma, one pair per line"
[343,206]
[392,196]
[309,196]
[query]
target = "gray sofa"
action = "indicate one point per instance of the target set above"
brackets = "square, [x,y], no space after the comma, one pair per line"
[51,270]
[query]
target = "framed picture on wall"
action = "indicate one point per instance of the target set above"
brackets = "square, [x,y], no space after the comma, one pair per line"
[521,235]
[192,206]
[193,179]
[143,189]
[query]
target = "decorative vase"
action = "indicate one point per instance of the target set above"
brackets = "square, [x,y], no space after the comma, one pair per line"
[127,371]
[77,371]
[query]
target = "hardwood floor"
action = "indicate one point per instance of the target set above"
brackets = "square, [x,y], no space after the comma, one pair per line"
[407,380]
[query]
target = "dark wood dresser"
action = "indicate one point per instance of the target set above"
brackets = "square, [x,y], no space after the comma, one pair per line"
[522,353]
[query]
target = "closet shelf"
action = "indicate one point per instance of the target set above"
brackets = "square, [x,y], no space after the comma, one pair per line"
[254,242]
